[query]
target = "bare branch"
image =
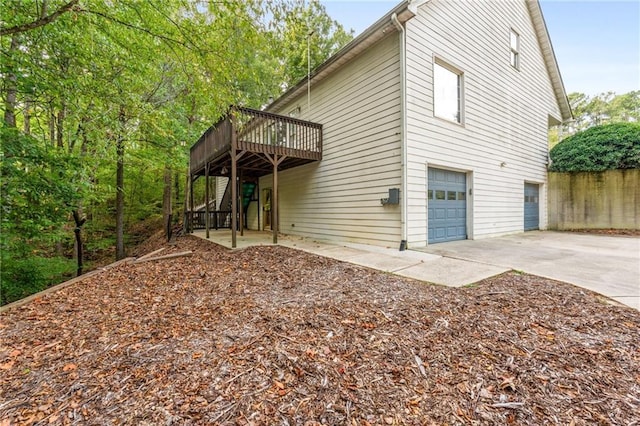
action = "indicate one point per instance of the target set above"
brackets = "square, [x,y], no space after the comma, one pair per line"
[40,22]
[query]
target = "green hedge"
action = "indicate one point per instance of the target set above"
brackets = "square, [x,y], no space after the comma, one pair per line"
[600,148]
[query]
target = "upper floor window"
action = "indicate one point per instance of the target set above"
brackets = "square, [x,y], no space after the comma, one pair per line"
[514,45]
[447,92]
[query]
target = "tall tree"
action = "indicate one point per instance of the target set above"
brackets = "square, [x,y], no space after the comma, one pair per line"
[119,90]
[304,33]
[604,108]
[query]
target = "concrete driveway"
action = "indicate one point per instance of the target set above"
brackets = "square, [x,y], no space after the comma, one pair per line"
[609,265]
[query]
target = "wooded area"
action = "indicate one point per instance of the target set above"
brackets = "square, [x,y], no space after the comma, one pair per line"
[604,108]
[101,102]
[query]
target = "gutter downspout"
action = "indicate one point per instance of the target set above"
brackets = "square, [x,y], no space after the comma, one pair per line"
[403,138]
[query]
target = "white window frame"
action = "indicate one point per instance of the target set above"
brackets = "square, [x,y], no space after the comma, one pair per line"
[514,48]
[437,62]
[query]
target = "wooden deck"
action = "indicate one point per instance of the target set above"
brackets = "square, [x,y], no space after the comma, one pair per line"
[255,136]
[247,144]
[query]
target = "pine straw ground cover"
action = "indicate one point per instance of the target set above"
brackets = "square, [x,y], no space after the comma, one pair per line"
[271,335]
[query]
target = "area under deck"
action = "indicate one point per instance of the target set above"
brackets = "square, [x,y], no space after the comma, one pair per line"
[247,144]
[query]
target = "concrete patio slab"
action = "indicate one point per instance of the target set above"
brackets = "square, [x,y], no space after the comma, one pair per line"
[382,263]
[333,251]
[451,272]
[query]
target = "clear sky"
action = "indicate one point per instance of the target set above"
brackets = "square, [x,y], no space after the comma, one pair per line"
[597,43]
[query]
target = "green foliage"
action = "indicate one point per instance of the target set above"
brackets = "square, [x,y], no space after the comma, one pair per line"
[145,76]
[20,277]
[303,31]
[39,184]
[606,147]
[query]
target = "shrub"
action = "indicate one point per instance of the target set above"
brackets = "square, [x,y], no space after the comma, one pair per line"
[20,278]
[607,147]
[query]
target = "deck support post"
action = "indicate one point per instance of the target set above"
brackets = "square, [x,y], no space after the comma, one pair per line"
[235,156]
[190,204]
[234,196]
[275,223]
[206,200]
[274,202]
[258,185]
[241,201]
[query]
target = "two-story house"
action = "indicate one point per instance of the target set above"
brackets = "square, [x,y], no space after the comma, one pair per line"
[434,128]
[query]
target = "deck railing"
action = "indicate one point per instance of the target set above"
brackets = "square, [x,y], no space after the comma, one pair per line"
[258,131]
[217,219]
[213,143]
[273,131]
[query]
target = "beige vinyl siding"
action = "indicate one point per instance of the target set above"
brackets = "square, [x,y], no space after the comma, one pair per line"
[338,198]
[221,186]
[252,216]
[505,112]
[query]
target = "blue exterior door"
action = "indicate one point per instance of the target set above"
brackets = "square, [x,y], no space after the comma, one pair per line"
[531,207]
[447,205]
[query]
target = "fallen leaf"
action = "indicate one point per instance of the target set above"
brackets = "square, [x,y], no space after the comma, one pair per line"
[463,387]
[7,365]
[486,393]
[368,325]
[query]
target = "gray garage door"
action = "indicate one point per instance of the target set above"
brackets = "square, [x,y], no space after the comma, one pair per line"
[531,207]
[447,194]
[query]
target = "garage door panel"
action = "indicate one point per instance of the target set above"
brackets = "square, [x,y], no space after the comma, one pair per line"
[531,207]
[447,205]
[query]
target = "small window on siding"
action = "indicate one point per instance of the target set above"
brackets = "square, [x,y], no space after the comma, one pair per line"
[514,45]
[447,92]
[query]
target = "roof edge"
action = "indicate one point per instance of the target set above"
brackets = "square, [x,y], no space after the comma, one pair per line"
[550,60]
[373,33]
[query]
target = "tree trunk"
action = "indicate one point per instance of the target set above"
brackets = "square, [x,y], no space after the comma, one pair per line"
[77,231]
[166,202]
[60,128]
[176,190]
[52,124]
[10,99]
[188,215]
[120,188]
[27,117]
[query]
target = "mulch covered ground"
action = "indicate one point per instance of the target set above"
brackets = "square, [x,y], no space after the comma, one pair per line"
[271,335]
